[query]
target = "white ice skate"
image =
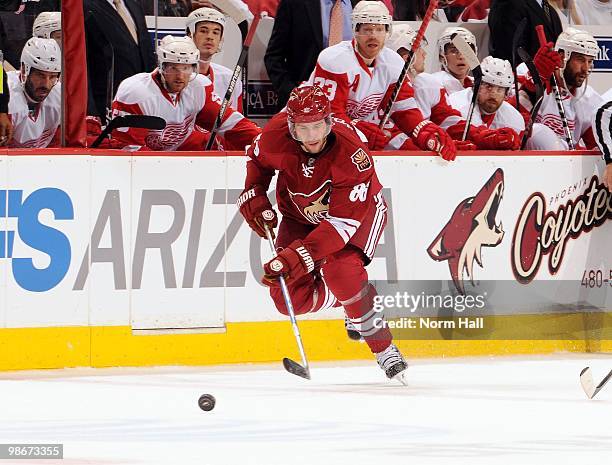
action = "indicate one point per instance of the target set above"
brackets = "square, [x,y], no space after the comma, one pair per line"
[393,363]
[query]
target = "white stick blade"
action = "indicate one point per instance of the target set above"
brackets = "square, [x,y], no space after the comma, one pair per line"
[466,51]
[586,380]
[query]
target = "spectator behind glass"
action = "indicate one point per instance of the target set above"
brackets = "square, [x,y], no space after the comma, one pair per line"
[115,49]
[414,10]
[297,38]
[593,12]
[504,17]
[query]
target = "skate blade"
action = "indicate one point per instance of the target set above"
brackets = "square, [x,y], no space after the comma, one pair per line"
[402,377]
[295,368]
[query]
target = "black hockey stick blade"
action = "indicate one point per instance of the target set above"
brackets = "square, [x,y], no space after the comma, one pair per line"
[131,121]
[295,368]
[586,380]
[539,96]
[518,35]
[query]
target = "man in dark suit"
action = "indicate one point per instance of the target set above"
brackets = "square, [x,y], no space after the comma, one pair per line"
[504,17]
[297,38]
[112,52]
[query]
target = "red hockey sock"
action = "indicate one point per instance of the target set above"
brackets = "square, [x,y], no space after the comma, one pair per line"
[348,281]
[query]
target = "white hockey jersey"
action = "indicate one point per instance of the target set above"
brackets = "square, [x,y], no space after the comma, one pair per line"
[33,129]
[579,110]
[450,82]
[143,94]
[506,115]
[360,92]
[221,77]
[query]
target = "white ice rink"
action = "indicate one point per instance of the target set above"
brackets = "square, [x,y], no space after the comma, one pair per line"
[455,412]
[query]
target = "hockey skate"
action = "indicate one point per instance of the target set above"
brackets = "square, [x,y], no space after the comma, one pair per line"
[351,331]
[393,363]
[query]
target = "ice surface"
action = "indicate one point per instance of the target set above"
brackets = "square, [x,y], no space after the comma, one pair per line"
[485,411]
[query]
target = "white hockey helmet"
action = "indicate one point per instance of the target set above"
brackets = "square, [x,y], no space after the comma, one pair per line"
[403,37]
[449,33]
[41,54]
[497,72]
[46,23]
[206,14]
[576,40]
[180,50]
[371,12]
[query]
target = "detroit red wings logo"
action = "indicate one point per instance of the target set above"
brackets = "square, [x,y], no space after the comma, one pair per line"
[555,123]
[471,227]
[314,206]
[364,107]
[172,136]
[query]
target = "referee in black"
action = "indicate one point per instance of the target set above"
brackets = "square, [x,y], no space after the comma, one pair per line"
[602,128]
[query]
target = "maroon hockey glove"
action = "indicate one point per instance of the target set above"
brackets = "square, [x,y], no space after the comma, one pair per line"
[377,138]
[430,137]
[257,210]
[497,139]
[292,262]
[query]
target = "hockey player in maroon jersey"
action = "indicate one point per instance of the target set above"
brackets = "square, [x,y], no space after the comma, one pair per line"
[333,216]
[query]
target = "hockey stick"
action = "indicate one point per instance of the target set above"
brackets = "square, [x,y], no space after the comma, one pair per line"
[560,107]
[474,64]
[130,121]
[235,75]
[586,380]
[291,366]
[433,5]
[518,34]
[539,94]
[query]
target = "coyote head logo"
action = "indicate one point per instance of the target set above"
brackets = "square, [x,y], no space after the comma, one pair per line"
[315,205]
[471,227]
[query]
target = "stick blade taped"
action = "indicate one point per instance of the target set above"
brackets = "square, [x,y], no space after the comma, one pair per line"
[295,368]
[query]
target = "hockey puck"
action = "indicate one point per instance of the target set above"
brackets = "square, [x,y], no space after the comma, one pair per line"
[206,402]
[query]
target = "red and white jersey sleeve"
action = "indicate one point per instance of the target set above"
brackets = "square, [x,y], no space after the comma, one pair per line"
[450,83]
[579,110]
[236,130]
[506,115]
[142,94]
[359,92]
[33,129]
[221,77]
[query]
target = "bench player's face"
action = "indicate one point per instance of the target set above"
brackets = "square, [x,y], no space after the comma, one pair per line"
[577,69]
[490,97]
[40,83]
[177,76]
[455,62]
[207,37]
[370,39]
[312,136]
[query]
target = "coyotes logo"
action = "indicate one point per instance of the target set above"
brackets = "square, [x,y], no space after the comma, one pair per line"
[538,232]
[471,227]
[314,206]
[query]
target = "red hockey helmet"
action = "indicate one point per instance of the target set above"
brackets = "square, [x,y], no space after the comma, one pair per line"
[308,104]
